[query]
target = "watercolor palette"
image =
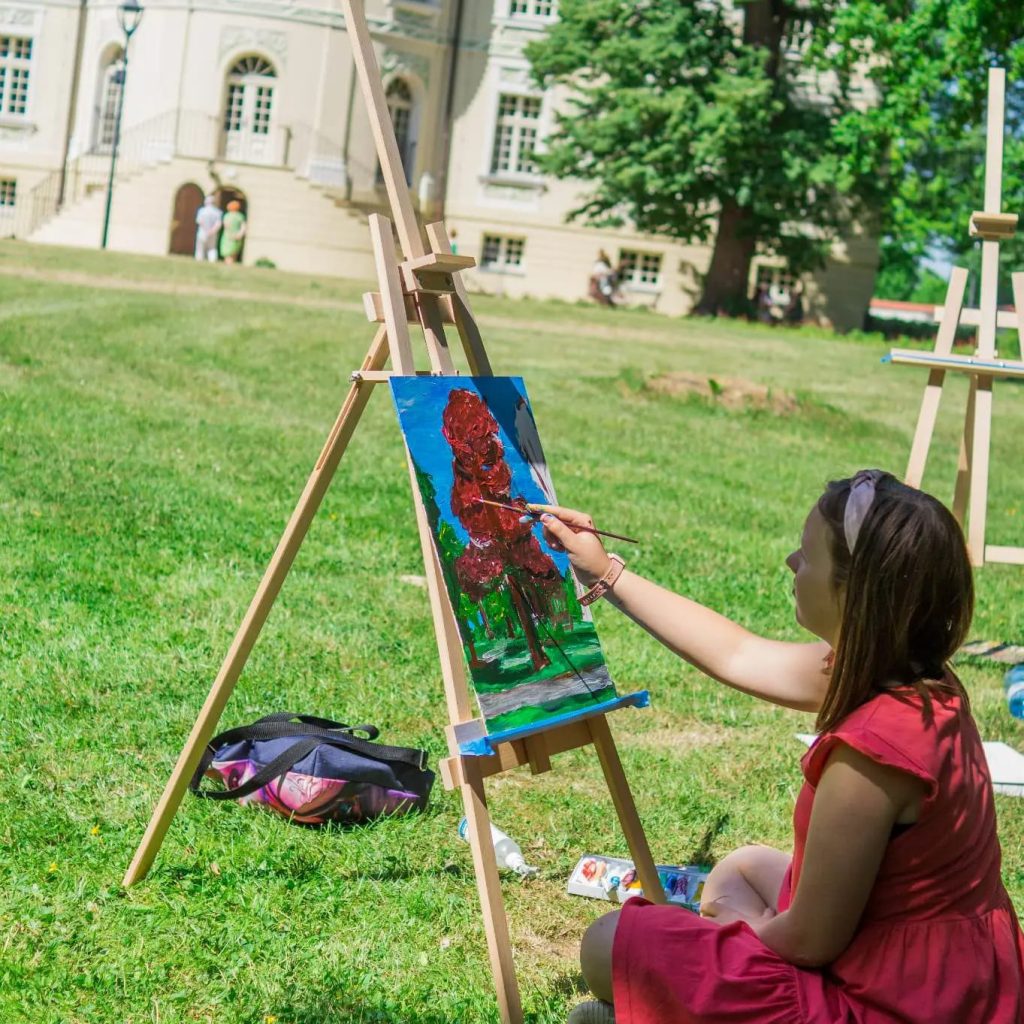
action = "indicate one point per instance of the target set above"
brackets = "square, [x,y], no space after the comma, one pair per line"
[615,880]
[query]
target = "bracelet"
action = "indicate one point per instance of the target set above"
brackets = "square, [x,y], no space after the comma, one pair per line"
[606,582]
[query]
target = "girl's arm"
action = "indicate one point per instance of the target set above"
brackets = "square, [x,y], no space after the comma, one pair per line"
[856,803]
[789,674]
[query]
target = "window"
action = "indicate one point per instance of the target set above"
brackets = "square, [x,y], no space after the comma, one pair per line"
[532,8]
[8,192]
[110,98]
[233,108]
[515,135]
[400,106]
[249,132]
[502,253]
[261,109]
[250,96]
[640,269]
[15,58]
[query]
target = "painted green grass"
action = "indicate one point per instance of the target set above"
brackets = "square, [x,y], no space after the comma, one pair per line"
[152,447]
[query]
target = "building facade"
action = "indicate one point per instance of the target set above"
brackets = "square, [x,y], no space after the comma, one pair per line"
[258,101]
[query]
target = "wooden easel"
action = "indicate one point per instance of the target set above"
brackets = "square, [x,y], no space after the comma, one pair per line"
[970,500]
[424,288]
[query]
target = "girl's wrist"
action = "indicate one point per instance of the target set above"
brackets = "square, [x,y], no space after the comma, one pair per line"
[588,578]
[606,581]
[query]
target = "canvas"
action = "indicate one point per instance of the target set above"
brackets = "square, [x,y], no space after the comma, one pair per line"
[532,650]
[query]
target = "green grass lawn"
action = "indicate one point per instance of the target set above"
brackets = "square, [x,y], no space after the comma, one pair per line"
[152,447]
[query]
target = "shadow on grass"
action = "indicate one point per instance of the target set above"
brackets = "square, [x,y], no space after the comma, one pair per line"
[192,875]
[702,854]
[335,1007]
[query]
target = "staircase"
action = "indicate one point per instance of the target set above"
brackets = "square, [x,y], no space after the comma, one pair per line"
[297,223]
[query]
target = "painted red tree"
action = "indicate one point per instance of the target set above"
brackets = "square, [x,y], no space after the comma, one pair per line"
[502,551]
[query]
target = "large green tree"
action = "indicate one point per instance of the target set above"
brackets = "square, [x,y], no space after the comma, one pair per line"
[772,127]
[925,133]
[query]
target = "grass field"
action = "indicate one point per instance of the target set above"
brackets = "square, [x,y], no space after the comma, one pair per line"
[152,445]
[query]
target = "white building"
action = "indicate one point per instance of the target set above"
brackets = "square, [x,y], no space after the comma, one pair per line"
[257,100]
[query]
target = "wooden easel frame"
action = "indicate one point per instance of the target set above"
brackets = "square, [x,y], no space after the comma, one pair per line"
[970,498]
[425,289]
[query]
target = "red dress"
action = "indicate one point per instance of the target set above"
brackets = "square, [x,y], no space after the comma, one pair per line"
[939,942]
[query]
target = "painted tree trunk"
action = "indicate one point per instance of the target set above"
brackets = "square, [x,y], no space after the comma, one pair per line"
[488,629]
[540,659]
[474,660]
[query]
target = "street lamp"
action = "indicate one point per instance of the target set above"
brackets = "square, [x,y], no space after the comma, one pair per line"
[129,14]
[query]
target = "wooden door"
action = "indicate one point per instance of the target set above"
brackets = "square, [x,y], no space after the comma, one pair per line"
[187,201]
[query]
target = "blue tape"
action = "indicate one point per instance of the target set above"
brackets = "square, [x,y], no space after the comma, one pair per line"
[483,746]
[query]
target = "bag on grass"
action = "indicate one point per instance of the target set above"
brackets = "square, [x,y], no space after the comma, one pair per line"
[312,770]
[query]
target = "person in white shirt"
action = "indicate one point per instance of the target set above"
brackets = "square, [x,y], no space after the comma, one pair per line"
[209,219]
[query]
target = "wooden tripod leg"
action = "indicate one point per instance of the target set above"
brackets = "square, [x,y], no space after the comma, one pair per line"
[1018,304]
[981,438]
[453,670]
[259,609]
[963,471]
[633,830]
[446,630]
[489,888]
[933,390]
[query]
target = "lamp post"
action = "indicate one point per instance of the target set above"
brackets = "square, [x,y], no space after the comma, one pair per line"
[129,14]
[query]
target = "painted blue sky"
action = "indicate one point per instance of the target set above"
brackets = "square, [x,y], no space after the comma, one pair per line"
[421,401]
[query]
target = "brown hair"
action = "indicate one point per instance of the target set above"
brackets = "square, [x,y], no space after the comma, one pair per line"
[908,596]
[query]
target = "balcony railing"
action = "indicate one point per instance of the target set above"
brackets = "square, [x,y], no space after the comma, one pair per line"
[194,135]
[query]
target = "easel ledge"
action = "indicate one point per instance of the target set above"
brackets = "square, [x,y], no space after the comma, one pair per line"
[474,741]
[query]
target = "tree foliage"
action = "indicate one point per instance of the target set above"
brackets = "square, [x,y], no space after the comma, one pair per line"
[925,135]
[769,127]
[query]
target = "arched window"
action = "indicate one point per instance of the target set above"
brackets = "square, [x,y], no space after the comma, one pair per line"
[248,110]
[400,107]
[110,90]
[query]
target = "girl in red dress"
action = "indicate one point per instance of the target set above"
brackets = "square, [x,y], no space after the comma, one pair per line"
[891,907]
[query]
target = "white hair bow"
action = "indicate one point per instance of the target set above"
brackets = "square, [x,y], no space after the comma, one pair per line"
[862,494]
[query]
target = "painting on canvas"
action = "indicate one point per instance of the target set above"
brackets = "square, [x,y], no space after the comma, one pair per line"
[532,651]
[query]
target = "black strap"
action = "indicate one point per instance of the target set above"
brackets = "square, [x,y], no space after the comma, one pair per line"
[280,726]
[372,732]
[267,774]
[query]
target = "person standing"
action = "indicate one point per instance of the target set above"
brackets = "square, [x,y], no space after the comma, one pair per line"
[209,220]
[794,312]
[602,280]
[233,233]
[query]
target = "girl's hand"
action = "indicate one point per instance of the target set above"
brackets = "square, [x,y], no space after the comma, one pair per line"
[585,551]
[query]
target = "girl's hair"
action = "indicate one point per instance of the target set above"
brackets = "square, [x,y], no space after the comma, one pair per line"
[909,596]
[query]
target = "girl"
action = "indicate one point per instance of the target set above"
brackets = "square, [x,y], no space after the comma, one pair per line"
[891,908]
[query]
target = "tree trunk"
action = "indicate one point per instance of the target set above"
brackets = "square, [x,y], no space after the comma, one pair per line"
[540,659]
[474,660]
[487,622]
[725,284]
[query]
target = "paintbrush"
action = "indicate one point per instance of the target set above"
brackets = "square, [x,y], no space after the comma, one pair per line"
[536,511]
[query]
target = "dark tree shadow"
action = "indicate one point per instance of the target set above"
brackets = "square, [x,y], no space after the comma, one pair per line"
[703,855]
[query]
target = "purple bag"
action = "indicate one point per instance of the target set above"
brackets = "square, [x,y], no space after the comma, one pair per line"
[312,770]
